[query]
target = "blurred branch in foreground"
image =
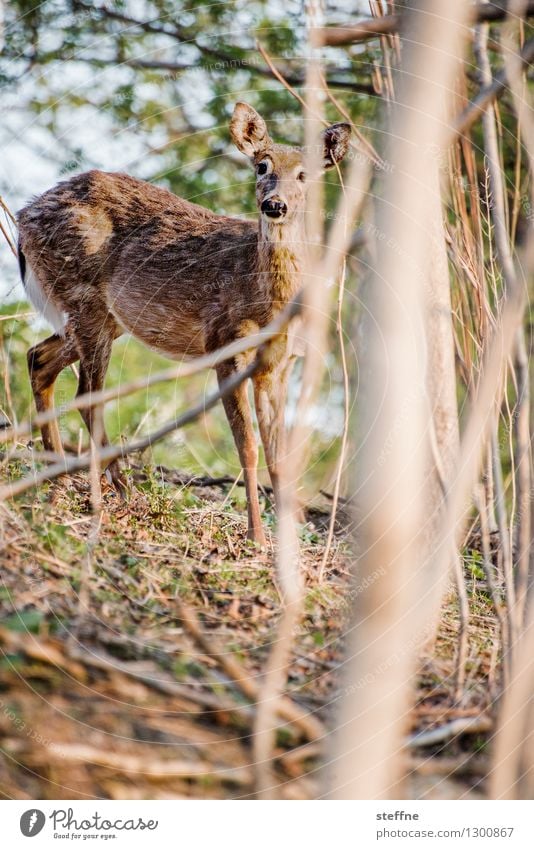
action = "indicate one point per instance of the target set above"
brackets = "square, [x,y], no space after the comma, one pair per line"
[388,617]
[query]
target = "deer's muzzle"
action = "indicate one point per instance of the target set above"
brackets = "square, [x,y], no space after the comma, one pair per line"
[273,208]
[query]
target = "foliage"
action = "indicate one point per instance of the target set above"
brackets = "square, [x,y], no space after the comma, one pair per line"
[164,78]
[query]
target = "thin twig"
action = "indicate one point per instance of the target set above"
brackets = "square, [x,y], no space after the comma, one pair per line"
[317,270]
[480,499]
[511,777]
[140,765]
[238,346]
[502,241]
[488,95]
[463,725]
[309,726]
[510,39]
[288,556]
[7,210]
[345,433]
[8,239]
[369,151]
[462,642]
[113,452]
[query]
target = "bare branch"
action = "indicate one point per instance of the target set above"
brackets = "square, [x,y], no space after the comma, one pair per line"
[113,452]
[463,725]
[488,95]
[226,60]
[289,84]
[238,346]
[288,710]
[522,101]
[288,555]
[389,617]
[337,36]
[512,775]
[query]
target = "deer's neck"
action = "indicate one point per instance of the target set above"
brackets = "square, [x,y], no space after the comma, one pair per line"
[280,260]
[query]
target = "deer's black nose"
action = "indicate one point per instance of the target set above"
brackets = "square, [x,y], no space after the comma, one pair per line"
[274,208]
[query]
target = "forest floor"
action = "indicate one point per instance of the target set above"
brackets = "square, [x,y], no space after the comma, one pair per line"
[127,701]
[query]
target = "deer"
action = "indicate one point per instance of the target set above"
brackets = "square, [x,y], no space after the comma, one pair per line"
[102,254]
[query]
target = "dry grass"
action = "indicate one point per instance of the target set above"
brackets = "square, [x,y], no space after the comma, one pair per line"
[124,703]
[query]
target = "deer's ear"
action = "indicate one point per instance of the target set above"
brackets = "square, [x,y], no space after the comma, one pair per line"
[336,143]
[248,130]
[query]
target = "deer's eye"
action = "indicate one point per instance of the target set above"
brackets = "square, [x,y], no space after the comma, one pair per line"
[263,168]
[301,176]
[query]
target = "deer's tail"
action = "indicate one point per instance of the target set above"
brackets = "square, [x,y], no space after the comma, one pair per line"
[37,295]
[22,262]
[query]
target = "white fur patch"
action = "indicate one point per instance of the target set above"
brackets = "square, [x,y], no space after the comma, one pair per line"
[42,302]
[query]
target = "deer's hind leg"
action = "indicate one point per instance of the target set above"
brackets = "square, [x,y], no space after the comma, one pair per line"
[45,361]
[94,342]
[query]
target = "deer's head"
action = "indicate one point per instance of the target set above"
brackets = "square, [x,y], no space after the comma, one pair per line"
[280,177]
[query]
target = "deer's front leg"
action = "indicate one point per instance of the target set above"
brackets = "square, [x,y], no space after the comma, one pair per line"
[239,415]
[270,393]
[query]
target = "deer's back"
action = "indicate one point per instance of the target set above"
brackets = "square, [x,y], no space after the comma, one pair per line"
[178,276]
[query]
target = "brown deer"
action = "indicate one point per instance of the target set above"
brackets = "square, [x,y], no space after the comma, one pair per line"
[103,254]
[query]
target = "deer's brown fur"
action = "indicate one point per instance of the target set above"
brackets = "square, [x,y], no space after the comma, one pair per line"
[102,254]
